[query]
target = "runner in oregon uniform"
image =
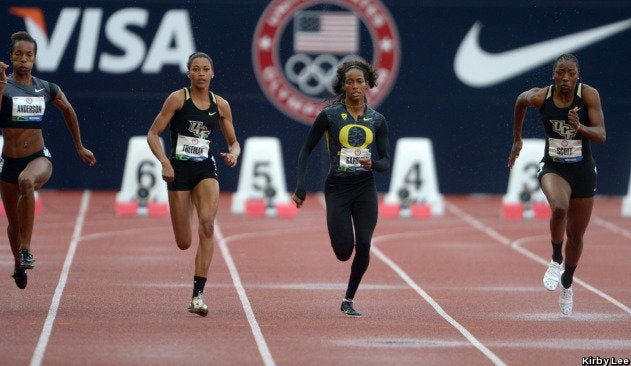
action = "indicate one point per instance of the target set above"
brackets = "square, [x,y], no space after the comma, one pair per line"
[352,131]
[190,171]
[572,115]
[26,164]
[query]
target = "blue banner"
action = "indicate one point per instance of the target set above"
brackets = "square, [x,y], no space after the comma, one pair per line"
[449,71]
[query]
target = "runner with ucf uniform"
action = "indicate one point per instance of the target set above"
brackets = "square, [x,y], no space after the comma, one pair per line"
[568,155]
[191,155]
[572,117]
[567,152]
[193,114]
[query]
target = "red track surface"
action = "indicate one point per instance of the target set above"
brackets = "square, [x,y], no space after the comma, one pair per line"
[462,288]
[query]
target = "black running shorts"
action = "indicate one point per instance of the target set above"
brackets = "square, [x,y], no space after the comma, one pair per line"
[580,176]
[189,173]
[10,168]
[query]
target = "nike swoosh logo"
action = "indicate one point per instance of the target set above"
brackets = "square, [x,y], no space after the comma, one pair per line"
[212,114]
[367,118]
[38,90]
[478,68]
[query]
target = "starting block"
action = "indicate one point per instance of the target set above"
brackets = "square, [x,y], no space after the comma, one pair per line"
[127,208]
[286,209]
[524,198]
[626,202]
[259,207]
[416,210]
[420,210]
[255,208]
[541,210]
[143,191]
[389,209]
[513,211]
[414,183]
[157,209]
[518,211]
[261,190]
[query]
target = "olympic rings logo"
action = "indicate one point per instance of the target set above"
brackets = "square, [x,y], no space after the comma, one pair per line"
[298,85]
[314,76]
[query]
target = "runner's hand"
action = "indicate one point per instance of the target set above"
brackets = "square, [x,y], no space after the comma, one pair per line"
[297,200]
[230,159]
[514,153]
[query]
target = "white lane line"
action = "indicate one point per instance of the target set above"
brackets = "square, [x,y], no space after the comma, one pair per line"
[404,276]
[611,227]
[580,344]
[268,360]
[516,245]
[410,282]
[288,286]
[40,349]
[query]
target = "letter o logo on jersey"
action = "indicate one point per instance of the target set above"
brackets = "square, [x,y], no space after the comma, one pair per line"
[345,132]
[297,46]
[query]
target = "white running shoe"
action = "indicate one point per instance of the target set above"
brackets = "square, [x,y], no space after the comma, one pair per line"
[566,300]
[197,305]
[553,276]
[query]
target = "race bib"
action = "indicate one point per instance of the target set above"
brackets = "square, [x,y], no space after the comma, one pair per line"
[28,109]
[191,148]
[349,158]
[565,151]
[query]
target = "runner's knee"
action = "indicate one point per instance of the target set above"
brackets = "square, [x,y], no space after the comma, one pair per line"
[207,228]
[183,245]
[558,212]
[183,241]
[26,184]
[343,252]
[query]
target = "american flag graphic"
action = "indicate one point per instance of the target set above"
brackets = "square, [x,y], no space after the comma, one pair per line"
[326,32]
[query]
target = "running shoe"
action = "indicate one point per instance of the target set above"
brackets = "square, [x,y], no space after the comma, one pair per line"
[566,300]
[553,276]
[348,310]
[19,275]
[26,259]
[197,305]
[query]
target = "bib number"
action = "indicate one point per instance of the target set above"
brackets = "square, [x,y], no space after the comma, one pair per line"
[565,151]
[349,158]
[191,148]
[28,109]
